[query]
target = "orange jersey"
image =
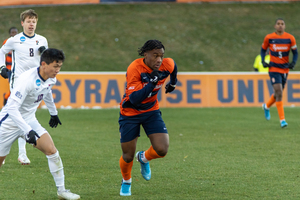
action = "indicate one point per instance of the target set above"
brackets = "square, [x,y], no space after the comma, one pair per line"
[8,59]
[137,78]
[280,46]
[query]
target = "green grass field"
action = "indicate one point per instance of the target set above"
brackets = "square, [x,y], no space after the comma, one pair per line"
[106,37]
[215,153]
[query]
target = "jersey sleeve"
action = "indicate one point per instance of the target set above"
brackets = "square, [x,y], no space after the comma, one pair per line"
[49,101]
[4,41]
[6,48]
[293,43]
[265,43]
[45,43]
[13,111]
[173,75]
[136,92]
[21,90]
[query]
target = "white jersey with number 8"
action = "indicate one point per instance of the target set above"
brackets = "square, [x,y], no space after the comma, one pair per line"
[24,52]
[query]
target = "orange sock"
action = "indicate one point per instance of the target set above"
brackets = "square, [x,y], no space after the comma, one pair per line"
[280,110]
[271,101]
[151,154]
[125,168]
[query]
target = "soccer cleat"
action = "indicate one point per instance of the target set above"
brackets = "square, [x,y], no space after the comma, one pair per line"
[145,167]
[3,162]
[283,124]
[125,189]
[267,112]
[67,194]
[23,159]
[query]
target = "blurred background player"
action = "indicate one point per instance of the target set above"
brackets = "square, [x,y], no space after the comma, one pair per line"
[17,118]
[280,43]
[8,61]
[139,106]
[258,66]
[27,48]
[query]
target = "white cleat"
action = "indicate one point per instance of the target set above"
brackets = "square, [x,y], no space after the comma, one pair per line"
[67,194]
[23,159]
[3,162]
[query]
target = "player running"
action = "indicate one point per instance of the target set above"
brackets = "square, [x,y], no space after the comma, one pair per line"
[280,43]
[26,48]
[139,106]
[17,118]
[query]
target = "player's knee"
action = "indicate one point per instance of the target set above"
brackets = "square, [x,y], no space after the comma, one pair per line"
[162,151]
[278,96]
[128,158]
[50,151]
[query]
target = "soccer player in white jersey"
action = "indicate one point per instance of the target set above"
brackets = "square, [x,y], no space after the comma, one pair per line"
[17,118]
[26,48]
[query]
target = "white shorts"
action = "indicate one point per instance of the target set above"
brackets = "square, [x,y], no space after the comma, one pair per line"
[9,135]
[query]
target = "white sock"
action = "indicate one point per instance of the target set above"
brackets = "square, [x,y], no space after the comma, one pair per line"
[127,181]
[143,158]
[266,107]
[57,170]
[22,146]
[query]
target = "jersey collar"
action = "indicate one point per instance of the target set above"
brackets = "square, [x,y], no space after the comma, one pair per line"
[28,36]
[38,71]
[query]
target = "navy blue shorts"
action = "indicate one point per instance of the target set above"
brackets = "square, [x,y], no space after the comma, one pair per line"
[129,126]
[276,77]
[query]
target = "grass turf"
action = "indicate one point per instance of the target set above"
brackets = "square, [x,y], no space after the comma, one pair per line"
[106,37]
[212,155]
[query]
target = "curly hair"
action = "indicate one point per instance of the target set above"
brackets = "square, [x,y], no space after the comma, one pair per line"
[150,45]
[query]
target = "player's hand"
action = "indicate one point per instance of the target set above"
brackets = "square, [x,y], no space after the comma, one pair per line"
[169,88]
[41,49]
[155,76]
[265,65]
[54,121]
[292,65]
[31,137]
[4,72]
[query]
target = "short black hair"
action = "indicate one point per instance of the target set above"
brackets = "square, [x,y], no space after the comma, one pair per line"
[150,45]
[50,55]
[279,18]
[12,28]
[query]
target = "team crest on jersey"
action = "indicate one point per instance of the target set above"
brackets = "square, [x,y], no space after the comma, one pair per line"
[18,94]
[38,82]
[22,39]
[37,42]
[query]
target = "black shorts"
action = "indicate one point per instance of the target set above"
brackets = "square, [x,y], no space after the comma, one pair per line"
[129,126]
[276,77]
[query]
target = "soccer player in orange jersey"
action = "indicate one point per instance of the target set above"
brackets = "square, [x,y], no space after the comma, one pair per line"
[139,106]
[280,43]
[8,61]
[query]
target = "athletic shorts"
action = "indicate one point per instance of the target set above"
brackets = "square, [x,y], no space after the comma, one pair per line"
[129,126]
[8,136]
[276,77]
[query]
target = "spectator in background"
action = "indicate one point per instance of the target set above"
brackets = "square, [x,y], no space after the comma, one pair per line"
[8,61]
[280,44]
[258,66]
[27,48]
